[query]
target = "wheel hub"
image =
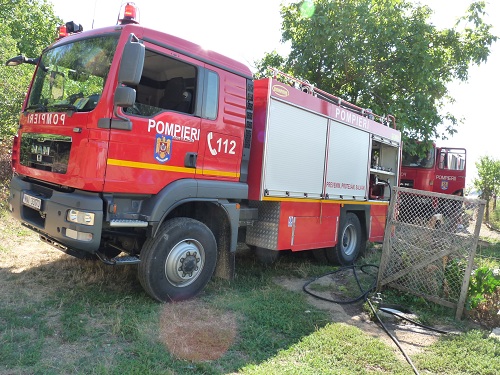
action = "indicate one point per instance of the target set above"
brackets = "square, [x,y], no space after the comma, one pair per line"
[185,262]
[349,240]
[189,264]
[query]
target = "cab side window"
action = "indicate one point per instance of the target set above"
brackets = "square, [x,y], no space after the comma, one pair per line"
[166,84]
[452,159]
[210,95]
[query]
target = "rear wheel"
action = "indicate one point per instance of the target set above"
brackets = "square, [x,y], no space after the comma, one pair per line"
[179,262]
[350,242]
[266,256]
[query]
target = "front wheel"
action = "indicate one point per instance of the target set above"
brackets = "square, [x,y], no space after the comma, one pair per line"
[179,262]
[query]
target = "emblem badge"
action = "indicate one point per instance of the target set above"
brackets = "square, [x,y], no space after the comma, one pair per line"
[163,148]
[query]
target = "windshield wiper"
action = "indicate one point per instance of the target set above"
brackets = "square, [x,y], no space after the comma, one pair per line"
[37,107]
[67,106]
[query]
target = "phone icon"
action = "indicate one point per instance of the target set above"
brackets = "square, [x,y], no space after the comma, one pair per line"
[209,141]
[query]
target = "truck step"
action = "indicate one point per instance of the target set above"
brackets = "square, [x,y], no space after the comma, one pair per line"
[128,223]
[123,260]
[129,259]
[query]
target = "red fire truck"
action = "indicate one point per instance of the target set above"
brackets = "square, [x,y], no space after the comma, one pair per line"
[442,170]
[137,147]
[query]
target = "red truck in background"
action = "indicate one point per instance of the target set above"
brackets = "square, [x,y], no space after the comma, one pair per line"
[442,170]
[138,147]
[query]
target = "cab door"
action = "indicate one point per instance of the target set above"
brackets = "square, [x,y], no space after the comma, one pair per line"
[222,126]
[162,144]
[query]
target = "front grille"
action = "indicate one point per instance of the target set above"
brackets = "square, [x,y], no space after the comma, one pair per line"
[47,152]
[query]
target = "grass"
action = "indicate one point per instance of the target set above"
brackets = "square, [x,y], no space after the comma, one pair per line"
[335,349]
[60,315]
[469,353]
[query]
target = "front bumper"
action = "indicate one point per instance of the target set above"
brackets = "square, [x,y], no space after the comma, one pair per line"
[50,218]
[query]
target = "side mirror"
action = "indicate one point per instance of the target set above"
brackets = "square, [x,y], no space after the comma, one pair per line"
[132,62]
[124,96]
[21,59]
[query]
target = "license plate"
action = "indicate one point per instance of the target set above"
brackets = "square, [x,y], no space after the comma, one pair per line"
[32,202]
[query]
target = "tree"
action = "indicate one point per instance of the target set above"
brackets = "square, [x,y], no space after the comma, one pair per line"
[26,26]
[488,181]
[384,55]
[32,24]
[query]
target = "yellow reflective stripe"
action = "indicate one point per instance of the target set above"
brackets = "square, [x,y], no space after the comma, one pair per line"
[169,168]
[328,201]
[221,173]
[157,167]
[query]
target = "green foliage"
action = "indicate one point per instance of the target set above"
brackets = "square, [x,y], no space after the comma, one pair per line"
[488,180]
[5,172]
[15,82]
[32,23]
[483,283]
[27,27]
[383,55]
[454,273]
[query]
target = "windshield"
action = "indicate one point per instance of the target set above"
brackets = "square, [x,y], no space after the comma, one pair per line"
[419,161]
[72,76]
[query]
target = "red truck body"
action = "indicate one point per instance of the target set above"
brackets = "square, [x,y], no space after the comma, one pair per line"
[135,146]
[442,171]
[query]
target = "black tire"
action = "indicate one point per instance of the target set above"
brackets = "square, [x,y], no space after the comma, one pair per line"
[266,256]
[320,255]
[178,263]
[350,242]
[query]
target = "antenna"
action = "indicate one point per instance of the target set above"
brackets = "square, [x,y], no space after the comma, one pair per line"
[93,16]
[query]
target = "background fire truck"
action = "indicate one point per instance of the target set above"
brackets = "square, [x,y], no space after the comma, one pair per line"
[137,147]
[442,170]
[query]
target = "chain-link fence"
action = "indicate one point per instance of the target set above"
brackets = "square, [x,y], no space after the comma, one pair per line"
[429,245]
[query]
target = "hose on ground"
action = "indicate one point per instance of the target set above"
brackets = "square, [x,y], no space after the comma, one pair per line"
[396,341]
[363,296]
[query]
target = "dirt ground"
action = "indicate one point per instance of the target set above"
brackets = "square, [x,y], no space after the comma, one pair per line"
[488,232]
[411,337]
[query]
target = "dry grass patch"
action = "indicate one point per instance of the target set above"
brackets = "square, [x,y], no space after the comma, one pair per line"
[193,331]
[34,270]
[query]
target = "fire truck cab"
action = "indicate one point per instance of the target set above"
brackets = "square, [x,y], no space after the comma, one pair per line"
[442,170]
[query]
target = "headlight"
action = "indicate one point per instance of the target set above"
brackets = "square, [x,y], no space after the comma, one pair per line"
[80,217]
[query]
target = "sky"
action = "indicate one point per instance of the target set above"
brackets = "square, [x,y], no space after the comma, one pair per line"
[247,32]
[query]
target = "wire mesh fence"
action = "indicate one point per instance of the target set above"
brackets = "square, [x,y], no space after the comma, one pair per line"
[430,244]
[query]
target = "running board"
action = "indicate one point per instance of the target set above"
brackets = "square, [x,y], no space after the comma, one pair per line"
[128,223]
[118,261]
